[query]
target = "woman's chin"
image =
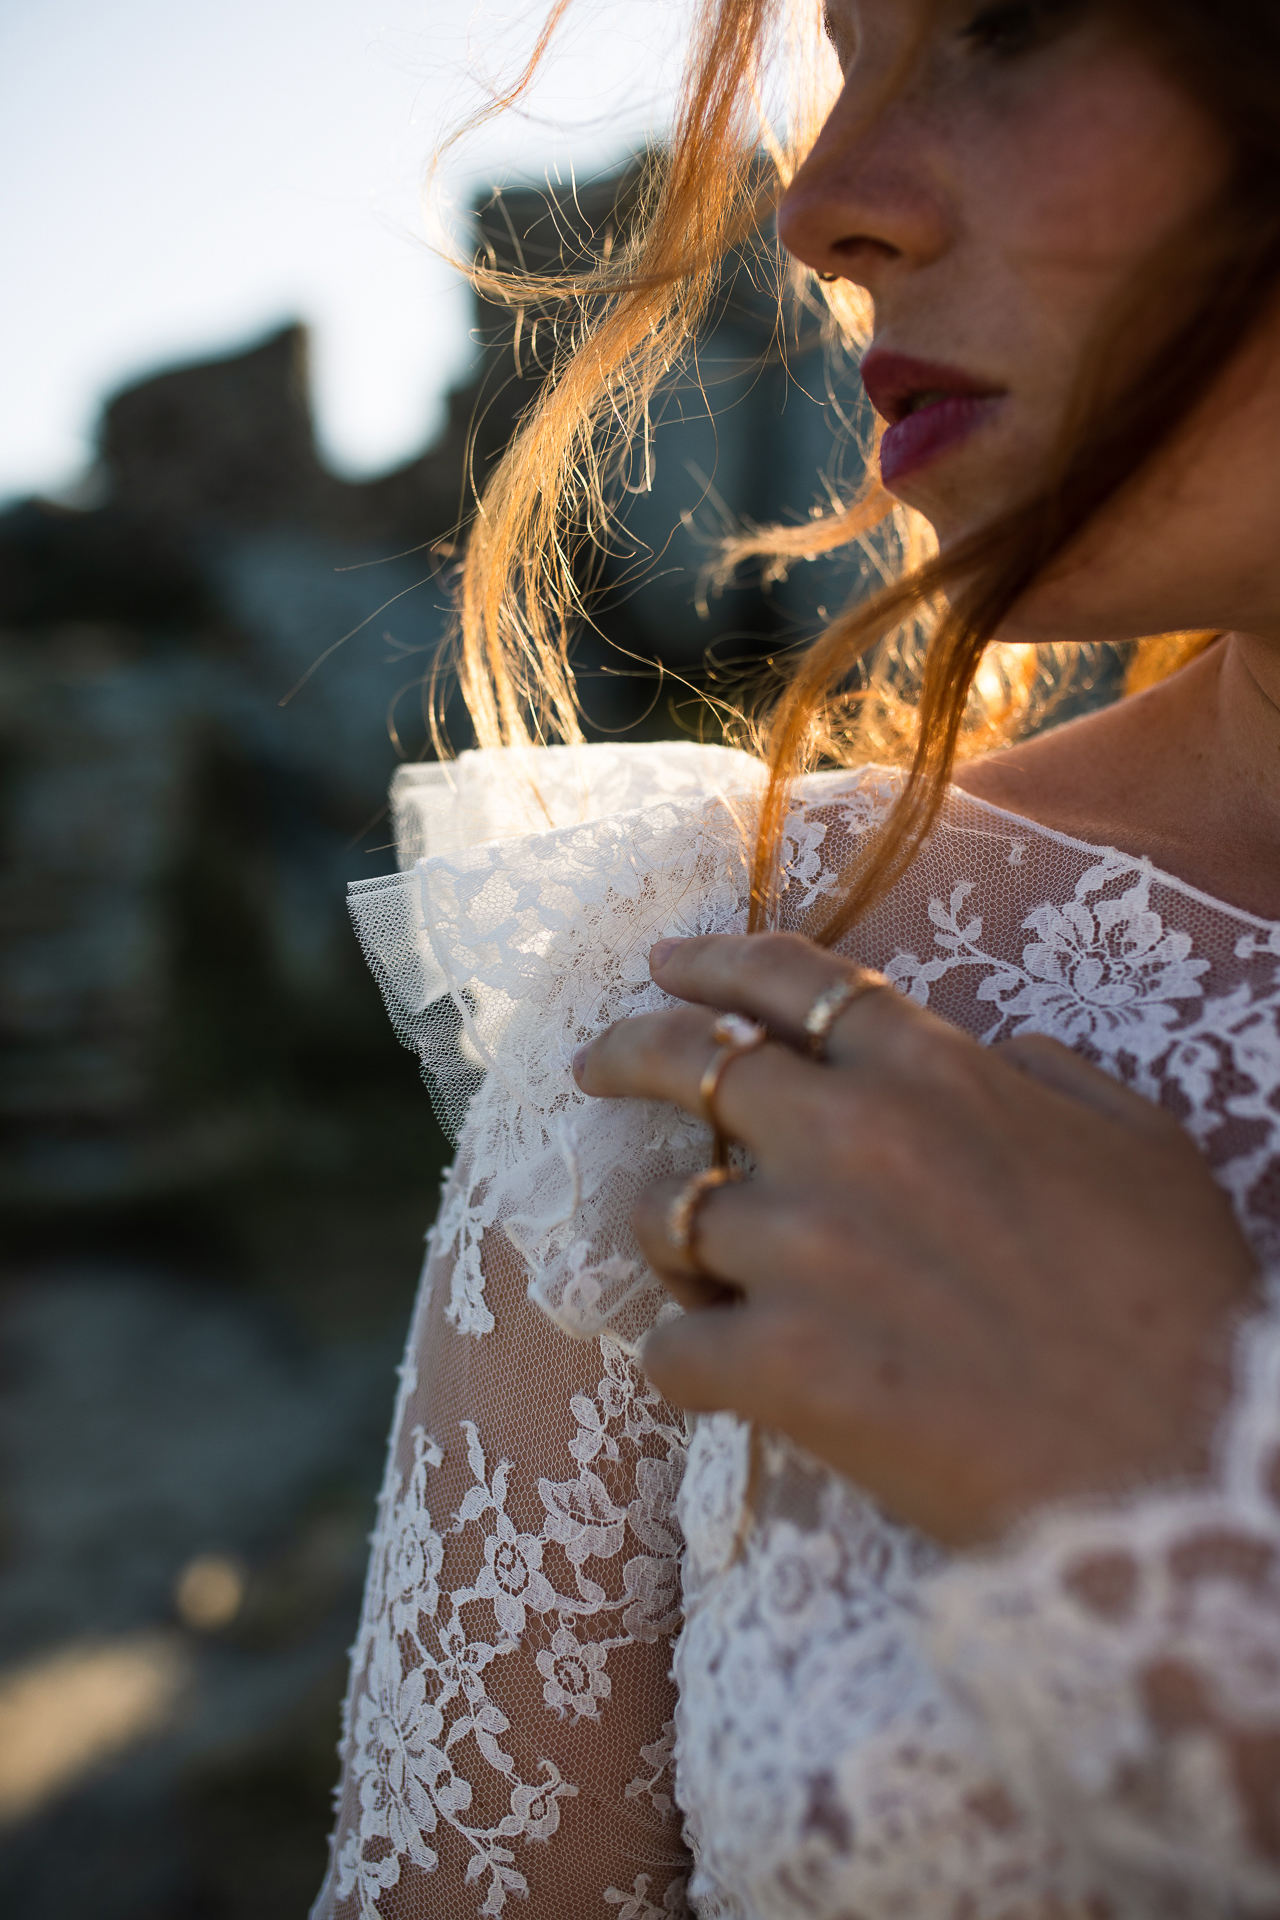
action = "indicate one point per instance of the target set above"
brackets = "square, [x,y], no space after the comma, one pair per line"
[954,508]
[970,487]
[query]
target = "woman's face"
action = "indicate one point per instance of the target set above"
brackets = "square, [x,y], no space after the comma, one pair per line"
[995,175]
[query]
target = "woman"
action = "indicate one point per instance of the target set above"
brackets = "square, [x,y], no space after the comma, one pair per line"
[981,1513]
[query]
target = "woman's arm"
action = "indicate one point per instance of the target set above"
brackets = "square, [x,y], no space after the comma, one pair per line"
[508,1728]
[1123,1660]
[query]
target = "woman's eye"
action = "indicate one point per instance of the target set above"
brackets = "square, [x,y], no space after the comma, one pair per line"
[1014,26]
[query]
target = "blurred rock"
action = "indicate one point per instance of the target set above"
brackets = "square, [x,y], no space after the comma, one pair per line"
[146,1421]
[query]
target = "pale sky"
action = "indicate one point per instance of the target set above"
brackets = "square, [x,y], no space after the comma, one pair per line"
[182,177]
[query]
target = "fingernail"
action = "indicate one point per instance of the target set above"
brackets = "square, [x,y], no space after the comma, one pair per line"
[578,1062]
[662,952]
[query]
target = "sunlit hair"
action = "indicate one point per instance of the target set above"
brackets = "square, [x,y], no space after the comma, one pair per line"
[620,328]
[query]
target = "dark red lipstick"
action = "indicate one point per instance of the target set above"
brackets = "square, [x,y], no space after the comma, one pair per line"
[930,408]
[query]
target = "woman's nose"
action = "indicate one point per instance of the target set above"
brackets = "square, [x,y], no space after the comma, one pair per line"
[868,201]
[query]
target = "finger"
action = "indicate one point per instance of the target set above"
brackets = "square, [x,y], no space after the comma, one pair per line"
[764,1244]
[663,1056]
[1065,1072]
[696,1293]
[779,978]
[880,1420]
[686,1271]
[699,1361]
[773,976]
[731,1358]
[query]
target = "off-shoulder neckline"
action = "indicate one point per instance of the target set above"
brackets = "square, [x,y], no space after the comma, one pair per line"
[1139,860]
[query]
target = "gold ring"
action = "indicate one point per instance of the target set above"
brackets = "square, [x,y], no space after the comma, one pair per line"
[682,1214]
[734,1035]
[831,1003]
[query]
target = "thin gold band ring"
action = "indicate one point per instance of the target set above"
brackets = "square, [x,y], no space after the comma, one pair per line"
[682,1215]
[734,1035]
[832,1002]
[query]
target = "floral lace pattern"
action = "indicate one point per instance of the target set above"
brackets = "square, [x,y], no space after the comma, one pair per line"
[424,1714]
[1076,1725]
[1106,971]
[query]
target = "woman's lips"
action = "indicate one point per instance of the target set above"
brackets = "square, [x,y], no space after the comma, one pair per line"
[932,430]
[930,408]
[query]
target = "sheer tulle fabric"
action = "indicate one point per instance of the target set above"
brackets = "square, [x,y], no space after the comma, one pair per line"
[1084,1723]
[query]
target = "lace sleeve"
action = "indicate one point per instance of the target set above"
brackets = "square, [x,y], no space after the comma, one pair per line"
[1124,1663]
[508,1731]
[509,1727]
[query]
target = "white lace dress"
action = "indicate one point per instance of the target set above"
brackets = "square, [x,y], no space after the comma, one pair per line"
[849,1725]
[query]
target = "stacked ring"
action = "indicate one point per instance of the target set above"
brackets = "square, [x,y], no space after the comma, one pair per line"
[831,1003]
[733,1035]
[682,1215]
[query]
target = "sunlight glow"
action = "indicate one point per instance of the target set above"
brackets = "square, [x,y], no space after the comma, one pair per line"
[63,1715]
[185,180]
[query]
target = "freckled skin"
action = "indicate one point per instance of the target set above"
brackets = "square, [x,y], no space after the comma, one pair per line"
[994,209]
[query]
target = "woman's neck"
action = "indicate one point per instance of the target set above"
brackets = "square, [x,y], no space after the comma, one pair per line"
[1187,773]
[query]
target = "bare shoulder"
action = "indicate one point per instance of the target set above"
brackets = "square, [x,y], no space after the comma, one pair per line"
[1071,777]
[1113,772]
[1153,775]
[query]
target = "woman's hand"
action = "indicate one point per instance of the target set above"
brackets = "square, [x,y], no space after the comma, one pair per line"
[972,1279]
